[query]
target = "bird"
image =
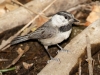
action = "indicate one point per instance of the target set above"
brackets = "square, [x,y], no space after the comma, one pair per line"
[53,32]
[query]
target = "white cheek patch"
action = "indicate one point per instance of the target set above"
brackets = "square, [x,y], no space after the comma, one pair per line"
[58,20]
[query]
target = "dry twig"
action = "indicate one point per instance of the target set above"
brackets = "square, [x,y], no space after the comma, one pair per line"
[80,66]
[3,59]
[17,2]
[89,56]
[80,24]
[76,8]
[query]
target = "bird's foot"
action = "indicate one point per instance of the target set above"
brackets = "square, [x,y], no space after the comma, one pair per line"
[54,59]
[62,50]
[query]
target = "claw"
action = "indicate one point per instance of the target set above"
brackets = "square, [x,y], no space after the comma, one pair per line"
[62,50]
[54,59]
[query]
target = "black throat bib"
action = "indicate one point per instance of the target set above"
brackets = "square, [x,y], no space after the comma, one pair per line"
[65,28]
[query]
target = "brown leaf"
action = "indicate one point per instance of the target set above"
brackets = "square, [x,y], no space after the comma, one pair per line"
[3,9]
[94,15]
[20,51]
[26,65]
[11,7]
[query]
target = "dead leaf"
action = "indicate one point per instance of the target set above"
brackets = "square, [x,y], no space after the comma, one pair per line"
[4,1]
[3,9]
[11,7]
[2,12]
[94,15]
[26,65]
[20,51]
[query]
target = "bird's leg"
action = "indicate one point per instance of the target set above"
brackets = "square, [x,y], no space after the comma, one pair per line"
[51,58]
[61,49]
[46,48]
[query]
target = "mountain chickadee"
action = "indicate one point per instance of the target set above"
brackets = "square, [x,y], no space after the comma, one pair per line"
[56,30]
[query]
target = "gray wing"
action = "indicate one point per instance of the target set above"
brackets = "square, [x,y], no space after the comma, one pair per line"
[45,31]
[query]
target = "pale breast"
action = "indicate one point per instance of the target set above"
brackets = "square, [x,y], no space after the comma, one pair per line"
[56,39]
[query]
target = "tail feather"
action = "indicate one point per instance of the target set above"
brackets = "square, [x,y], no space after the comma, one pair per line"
[19,39]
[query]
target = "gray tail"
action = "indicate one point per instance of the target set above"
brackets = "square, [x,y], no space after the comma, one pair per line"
[19,39]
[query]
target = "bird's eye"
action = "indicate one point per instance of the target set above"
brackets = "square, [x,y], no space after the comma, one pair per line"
[66,17]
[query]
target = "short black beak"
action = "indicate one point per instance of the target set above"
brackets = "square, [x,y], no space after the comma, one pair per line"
[75,20]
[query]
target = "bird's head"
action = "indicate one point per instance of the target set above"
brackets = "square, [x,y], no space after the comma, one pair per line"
[63,18]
